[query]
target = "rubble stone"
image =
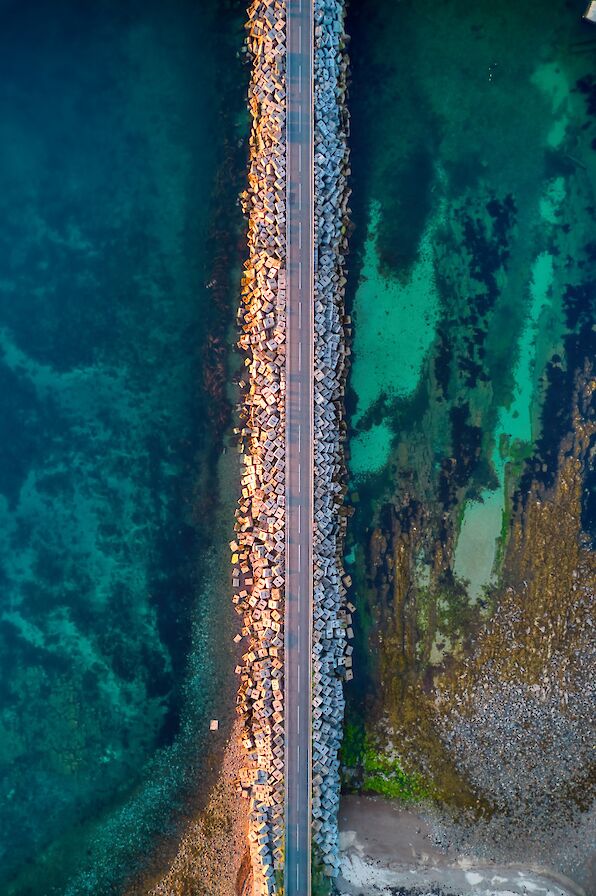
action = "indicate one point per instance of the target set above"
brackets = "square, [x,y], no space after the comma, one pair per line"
[259,545]
[330,632]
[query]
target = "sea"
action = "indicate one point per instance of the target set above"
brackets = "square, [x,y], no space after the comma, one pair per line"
[472,278]
[121,154]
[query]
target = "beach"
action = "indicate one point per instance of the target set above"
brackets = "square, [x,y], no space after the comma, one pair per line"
[390,848]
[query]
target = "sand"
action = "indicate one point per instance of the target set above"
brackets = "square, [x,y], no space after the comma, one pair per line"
[387,849]
[211,855]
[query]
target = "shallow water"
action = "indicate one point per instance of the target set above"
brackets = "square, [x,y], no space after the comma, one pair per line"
[111,138]
[473,171]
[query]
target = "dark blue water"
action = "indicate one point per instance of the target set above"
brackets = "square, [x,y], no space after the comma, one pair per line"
[108,144]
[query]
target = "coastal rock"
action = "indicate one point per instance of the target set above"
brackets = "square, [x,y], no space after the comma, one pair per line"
[259,546]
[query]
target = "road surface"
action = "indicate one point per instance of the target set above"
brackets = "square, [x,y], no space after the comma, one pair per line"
[299,447]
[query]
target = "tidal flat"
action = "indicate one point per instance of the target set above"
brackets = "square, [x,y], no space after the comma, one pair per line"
[472,294]
[122,156]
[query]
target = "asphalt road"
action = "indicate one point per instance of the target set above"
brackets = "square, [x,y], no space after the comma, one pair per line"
[299,447]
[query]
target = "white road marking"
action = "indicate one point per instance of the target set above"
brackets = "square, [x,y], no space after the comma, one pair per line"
[300,195]
[300,75]
[299,561]
[300,234]
[299,481]
[299,315]
[300,158]
[299,356]
[300,276]
[298,437]
[297,870]
[299,521]
[298,677]
[300,119]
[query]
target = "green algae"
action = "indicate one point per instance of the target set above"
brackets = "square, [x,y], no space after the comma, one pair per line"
[321,884]
[353,744]
[388,779]
[376,771]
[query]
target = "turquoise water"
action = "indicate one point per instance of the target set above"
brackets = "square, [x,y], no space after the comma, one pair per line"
[388,359]
[474,171]
[112,133]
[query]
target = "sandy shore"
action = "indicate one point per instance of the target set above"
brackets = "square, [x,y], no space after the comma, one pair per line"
[386,849]
[211,854]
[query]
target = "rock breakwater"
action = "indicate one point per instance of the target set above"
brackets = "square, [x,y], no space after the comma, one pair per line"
[258,551]
[332,620]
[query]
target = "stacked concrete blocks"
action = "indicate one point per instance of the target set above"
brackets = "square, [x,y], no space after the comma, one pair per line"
[258,551]
[331,660]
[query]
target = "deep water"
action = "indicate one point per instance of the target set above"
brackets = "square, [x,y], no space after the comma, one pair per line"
[111,137]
